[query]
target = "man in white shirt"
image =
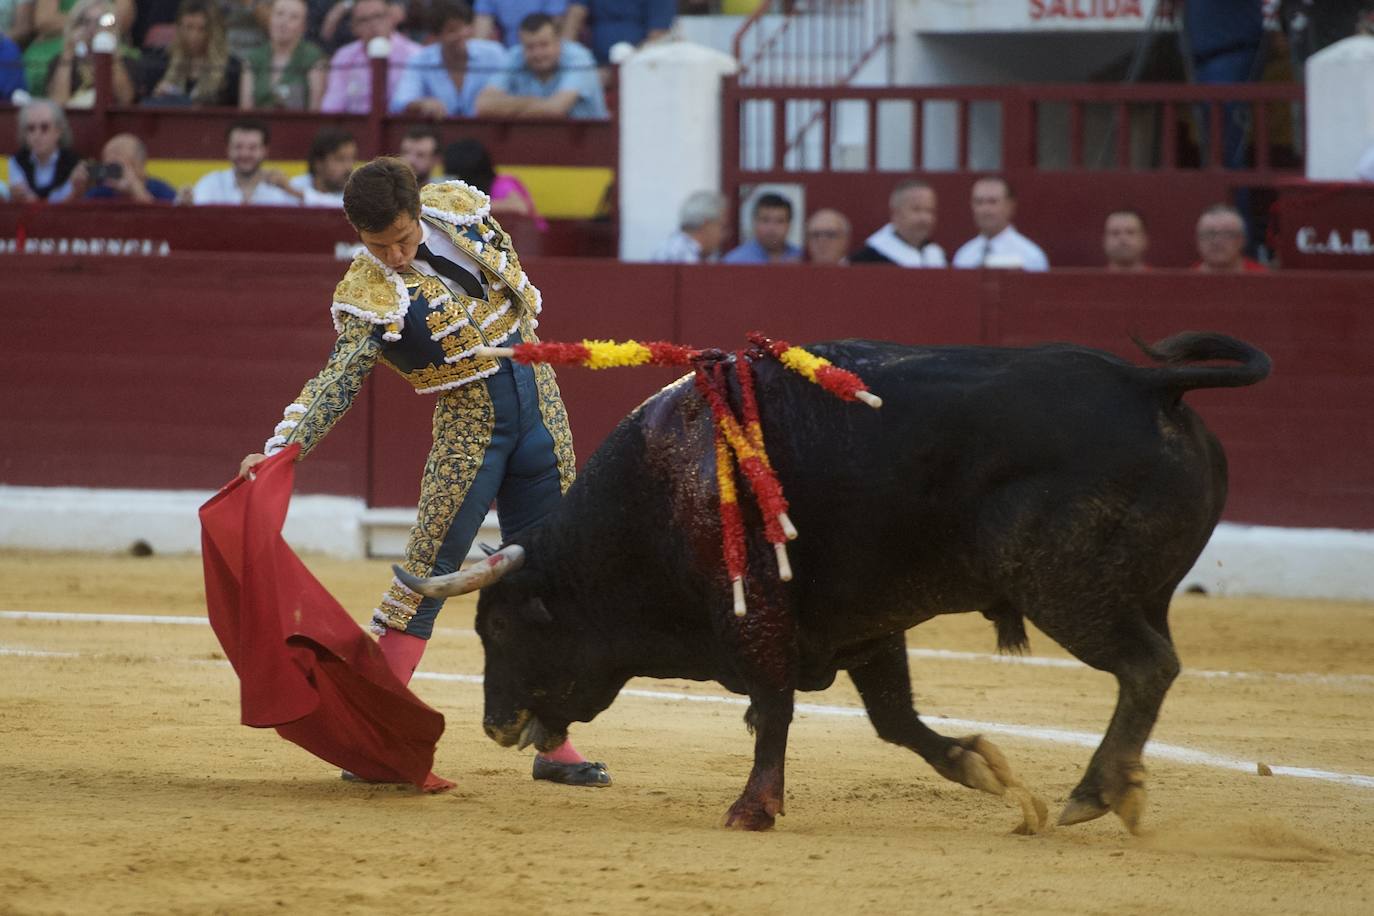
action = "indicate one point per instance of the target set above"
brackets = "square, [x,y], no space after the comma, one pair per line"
[998,244]
[905,241]
[246,181]
[333,153]
[701,229]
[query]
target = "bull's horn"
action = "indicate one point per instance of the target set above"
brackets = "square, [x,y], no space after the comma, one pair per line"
[480,575]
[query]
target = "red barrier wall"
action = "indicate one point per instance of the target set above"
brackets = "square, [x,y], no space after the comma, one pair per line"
[157,230]
[162,373]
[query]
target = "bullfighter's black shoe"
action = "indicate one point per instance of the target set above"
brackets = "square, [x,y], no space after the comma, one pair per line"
[349,776]
[585,773]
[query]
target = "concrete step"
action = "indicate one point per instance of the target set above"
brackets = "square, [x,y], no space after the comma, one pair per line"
[385,532]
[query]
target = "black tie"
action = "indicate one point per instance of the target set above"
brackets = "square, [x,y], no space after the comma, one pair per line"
[470,284]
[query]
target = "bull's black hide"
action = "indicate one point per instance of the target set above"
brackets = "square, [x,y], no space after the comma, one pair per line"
[1057,483]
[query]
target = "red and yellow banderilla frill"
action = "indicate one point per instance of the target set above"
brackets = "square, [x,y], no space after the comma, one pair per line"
[738,439]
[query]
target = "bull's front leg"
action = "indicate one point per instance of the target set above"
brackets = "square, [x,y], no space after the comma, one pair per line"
[764,645]
[762,800]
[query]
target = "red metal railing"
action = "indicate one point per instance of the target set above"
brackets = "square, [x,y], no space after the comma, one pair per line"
[811,42]
[1104,127]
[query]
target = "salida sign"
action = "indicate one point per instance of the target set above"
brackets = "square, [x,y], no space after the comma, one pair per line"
[1050,10]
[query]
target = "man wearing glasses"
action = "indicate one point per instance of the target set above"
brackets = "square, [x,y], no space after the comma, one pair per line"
[350,76]
[45,167]
[1221,242]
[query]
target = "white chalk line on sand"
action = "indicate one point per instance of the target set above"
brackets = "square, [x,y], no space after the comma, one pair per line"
[1174,752]
[935,654]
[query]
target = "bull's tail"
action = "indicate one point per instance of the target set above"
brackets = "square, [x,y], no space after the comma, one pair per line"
[1179,352]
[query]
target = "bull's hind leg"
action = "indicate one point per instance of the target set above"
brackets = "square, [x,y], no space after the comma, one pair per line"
[884,683]
[1138,653]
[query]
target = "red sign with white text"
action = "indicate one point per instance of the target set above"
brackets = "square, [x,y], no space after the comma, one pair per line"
[1043,10]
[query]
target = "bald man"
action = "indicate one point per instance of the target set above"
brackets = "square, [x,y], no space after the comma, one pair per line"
[123,174]
[827,237]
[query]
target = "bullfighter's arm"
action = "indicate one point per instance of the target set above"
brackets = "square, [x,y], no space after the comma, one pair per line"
[327,396]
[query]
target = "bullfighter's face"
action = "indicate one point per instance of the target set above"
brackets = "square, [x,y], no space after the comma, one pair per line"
[537,678]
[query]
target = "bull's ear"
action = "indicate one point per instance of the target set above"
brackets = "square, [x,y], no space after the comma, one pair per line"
[533,610]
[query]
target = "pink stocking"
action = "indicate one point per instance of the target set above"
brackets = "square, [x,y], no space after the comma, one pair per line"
[402,653]
[564,753]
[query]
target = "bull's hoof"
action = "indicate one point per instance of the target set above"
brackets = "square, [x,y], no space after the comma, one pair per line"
[1082,808]
[976,762]
[1125,794]
[585,773]
[752,814]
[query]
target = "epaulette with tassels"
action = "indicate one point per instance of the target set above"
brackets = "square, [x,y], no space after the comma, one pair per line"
[738,438]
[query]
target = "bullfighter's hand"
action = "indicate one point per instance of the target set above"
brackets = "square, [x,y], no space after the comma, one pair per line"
[247,464]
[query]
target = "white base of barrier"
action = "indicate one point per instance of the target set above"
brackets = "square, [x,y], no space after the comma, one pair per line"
[1239,560]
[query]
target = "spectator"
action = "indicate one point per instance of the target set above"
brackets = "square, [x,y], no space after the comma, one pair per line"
[333,154]
[636,22]
[123,174]
[1221,242]
[420,151]
[11,67]
[1124,240]
[546,76]
[468,161]
[905,241]
[827,237]
[245,181]
[998,244]
[154,23]
[45,166]
[245,24]
[71,75]
[499,20]
[198,69]
[335,29]
[16,21]
[445,78]
[1224,37]
[49,29]
[287,71]
[350,76]
[772,221]
[701,230]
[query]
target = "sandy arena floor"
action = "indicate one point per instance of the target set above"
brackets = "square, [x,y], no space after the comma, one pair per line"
[128,786]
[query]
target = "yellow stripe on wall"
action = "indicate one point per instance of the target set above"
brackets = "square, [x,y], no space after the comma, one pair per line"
[560,192]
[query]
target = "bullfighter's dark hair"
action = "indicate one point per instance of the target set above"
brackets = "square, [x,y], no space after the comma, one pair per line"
[774,201]
[250,124]
[379,192]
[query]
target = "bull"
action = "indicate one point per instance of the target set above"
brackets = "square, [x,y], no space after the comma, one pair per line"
[1058,484]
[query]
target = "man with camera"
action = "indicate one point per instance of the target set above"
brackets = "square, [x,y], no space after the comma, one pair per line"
[121,174]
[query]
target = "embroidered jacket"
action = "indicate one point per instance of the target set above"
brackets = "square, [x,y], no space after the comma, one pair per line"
[414,322]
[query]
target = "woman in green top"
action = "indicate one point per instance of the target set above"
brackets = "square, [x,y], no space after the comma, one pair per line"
[50,27]
[287,72]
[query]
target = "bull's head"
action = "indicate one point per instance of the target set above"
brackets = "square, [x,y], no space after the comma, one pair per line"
[541,669]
